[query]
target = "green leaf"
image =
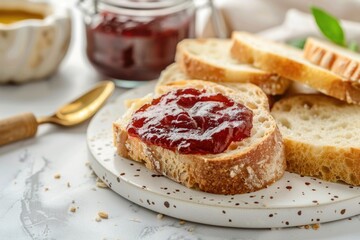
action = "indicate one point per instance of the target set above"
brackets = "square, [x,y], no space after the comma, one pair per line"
[353,46]
[297,42]
[329,26]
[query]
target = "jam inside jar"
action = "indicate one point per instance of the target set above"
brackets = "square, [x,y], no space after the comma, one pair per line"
[136,39]
[192,121]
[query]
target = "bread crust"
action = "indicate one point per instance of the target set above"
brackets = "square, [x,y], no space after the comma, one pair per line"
[249,170]
[239,174]
[305,155]
[298,70]
[334,58]
[332,164]
[198,68]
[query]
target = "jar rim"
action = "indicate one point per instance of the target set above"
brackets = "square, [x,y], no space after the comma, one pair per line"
[91,7]
[144,4]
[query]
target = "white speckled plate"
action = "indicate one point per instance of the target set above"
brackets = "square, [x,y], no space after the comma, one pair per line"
[292,201]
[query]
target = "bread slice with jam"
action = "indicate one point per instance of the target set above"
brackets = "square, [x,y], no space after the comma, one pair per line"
[210,60]
[244,166]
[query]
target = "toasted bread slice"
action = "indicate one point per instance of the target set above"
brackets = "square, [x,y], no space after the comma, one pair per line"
[321,136]
[337,59]
[245,166]
[209,59]
[289,62]
[173,73]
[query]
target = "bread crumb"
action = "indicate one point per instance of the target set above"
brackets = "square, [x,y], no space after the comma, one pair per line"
[160,216]
[315,226]
[103,215]
[306,226]
[68,184]
[98,219]
[57,176]
[101,185]
[182,222]
[73,209]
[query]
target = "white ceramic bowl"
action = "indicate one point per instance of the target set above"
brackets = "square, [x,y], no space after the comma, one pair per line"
[33,49]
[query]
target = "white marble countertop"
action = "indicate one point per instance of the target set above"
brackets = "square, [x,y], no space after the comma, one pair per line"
[35,205]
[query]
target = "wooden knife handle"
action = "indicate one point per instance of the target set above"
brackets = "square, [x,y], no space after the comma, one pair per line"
[17,128]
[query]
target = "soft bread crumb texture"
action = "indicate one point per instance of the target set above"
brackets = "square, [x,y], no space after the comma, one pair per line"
[321,136]
[245,166]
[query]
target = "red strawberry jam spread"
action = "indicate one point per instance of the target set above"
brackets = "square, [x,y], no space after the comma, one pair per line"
[191,121]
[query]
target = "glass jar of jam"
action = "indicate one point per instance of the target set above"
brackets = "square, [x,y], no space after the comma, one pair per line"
[134,40]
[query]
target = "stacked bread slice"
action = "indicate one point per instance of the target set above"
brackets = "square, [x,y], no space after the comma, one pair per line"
[210,59]
[290,63]
[338,60]
[321,133]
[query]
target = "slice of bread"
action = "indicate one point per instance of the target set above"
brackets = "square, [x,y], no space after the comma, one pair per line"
[246,166]
[337,59]
[289,63]
[321,136]
[209,59]
[173,73]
